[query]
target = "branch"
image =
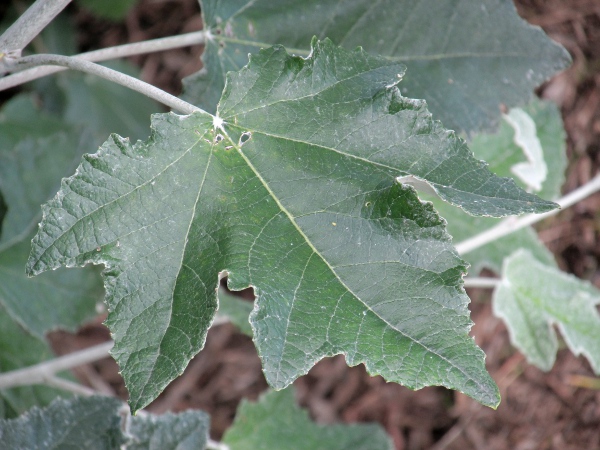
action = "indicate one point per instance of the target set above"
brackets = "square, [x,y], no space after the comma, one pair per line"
[513,224]
[104,54]
[481,282]
[66,385]
[42,372]
[27,27]
[112,75]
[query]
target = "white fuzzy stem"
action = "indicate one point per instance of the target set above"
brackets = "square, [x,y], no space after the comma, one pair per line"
[481,282]
[66,385]
[104,54]
[28,26]
[112,75]
[40,373]
[44,371]
[513,224]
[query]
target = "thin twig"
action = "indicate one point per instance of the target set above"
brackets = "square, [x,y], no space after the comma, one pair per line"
[112,75]
[66,385]
[30,24]
[104,54]
[39,373]
[513,224]
[481,282]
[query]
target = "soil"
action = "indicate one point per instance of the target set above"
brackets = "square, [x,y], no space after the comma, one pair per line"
[554,410]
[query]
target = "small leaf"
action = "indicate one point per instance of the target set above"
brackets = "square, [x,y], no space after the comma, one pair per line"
[533,297]
[290,190]
[276,422]
[464,57]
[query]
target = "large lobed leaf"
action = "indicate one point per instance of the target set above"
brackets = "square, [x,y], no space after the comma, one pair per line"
[291,191]
[533,297]
[465,57]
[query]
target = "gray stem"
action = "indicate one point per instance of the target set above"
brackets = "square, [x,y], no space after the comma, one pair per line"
[512,224]
[44,371]
[481,282]
[28,26]
[40,373]
[70,386]
[112,75]
[104,54]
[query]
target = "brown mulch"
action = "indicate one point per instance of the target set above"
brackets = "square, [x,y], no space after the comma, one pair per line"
[539,410]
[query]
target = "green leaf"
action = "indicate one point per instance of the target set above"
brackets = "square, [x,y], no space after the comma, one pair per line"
[100,423]
[533,297]
[35,151]
[465,57]
[19,349]
[184,431]
[109,9]
[63,299]
[343,259]
[276,422]
[30,171]
[81,423]
[235,309]
[502,153]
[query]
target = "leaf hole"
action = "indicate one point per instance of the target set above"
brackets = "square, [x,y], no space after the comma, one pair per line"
[218,138]
[245,137]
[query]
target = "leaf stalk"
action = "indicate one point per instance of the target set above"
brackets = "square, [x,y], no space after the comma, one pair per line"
[42,372]
[104,54]
[26,28]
